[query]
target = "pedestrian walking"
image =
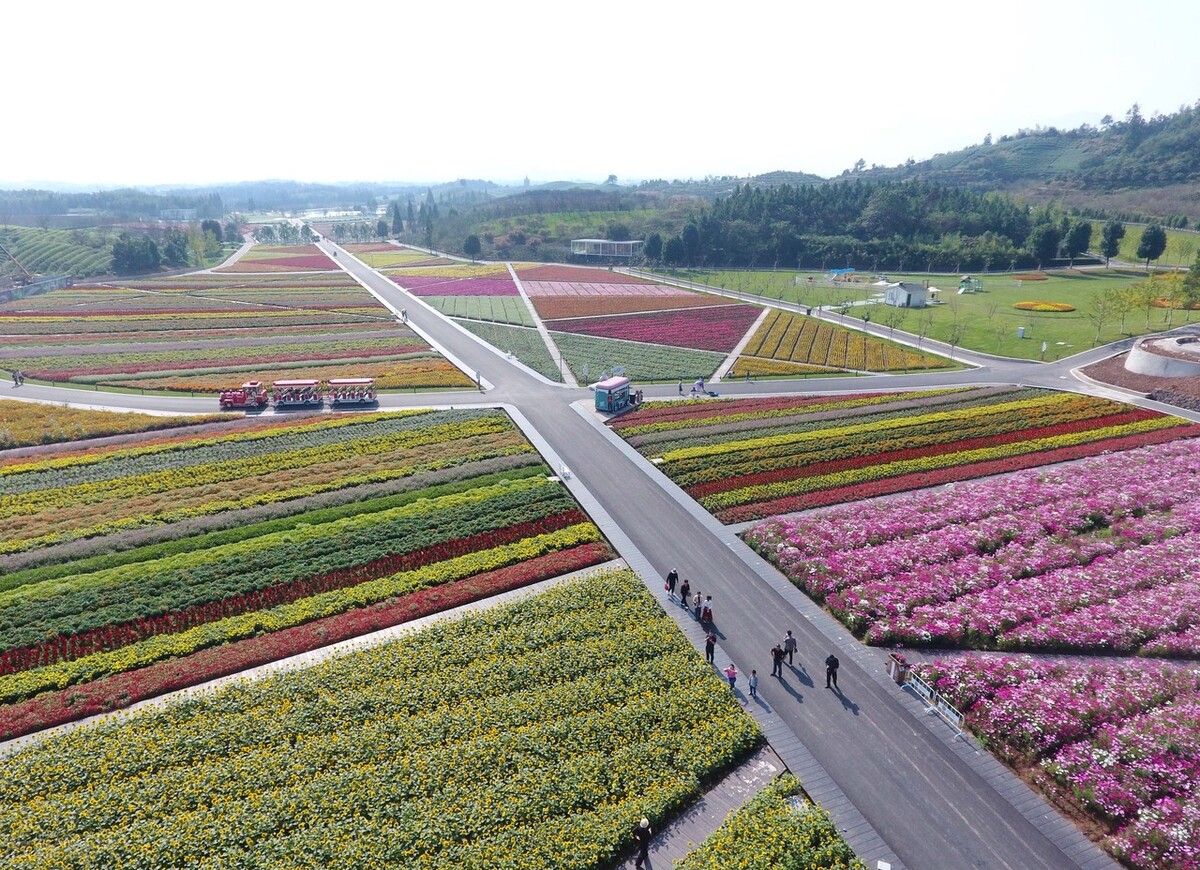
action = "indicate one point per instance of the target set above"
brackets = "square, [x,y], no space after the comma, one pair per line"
[684,591]
[777,661]
[681,386]
[753,684]
[672,579]
[697,603]
[710,645]
[731,675]
[789,647]
[706,614]
[16,378]
[642,835]
[831,669]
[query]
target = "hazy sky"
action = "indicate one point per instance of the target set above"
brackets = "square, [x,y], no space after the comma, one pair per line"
[148,93]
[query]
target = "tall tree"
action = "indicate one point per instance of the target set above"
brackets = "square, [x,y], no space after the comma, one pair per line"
[397,221]
[1153,243]
[1079,236]
[133,255]
[1114,231]
[691,243]
[471,246]
[653,249]
[381,228]
[211,226]
[1043,243]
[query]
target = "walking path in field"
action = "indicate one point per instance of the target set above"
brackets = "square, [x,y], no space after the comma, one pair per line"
[902,787]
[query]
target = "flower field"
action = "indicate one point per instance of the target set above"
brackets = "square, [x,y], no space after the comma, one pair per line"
[714,328]
[538,743]
[576,275]
[497,309]
[777,828]
[592,305]
[23,424]
[1094,556]
[430,285]
[123,557]
[752,458]
[204,333]
[642,362]
[282,258]
[1118,739]
[522,342]
[797,339]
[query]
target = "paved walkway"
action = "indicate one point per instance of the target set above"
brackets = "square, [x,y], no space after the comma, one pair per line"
[902,788]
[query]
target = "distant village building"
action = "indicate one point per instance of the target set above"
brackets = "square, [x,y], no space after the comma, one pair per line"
[605,248]
[176,214]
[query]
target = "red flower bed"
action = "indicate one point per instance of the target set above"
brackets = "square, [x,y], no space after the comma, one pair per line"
[718,328]
[121,690]
[815,469]
[551,307]
[726,407]
[184,361]
[573,273]
[939,476]
[109,637]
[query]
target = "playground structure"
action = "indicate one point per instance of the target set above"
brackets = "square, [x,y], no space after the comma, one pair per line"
[967,284]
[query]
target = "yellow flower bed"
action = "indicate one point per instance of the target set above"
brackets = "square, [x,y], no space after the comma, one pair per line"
[1043,306]
[532,736]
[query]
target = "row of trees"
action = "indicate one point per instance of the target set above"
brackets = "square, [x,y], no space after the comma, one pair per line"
[173,248]
[887,225]
[1173,292]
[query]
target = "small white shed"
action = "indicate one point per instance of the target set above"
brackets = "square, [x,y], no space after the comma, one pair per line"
[904,295]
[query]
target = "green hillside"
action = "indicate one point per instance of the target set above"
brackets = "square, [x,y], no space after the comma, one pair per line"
[81,253]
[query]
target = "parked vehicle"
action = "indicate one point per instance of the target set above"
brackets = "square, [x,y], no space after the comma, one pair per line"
[352,391]
[295,393]
[251,394]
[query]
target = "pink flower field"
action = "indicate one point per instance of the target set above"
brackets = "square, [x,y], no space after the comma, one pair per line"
[716,328]
[1118,739]
[575,288]
[430,285]
[1095,556]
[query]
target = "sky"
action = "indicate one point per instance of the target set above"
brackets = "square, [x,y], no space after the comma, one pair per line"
[134,93]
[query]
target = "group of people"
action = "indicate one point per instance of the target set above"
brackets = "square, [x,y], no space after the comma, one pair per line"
[18,377]
[702,605]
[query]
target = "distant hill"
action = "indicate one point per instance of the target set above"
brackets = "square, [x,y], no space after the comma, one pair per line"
[1135,167]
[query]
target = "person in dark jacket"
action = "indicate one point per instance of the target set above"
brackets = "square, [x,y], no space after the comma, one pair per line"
[831,669]
[777,661]
[710,646]
[672,579]
[642,835]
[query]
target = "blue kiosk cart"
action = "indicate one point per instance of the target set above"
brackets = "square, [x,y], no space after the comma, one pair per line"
[613,394]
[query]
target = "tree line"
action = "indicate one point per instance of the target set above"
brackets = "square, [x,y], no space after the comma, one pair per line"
[918,225]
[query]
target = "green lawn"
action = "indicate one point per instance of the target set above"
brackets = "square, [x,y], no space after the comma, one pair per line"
[987,322]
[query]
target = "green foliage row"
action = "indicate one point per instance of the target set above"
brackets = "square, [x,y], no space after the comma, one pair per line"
[642,362]
[524,343]
[532,735]
[78,602]
[175,543]
[499,309]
